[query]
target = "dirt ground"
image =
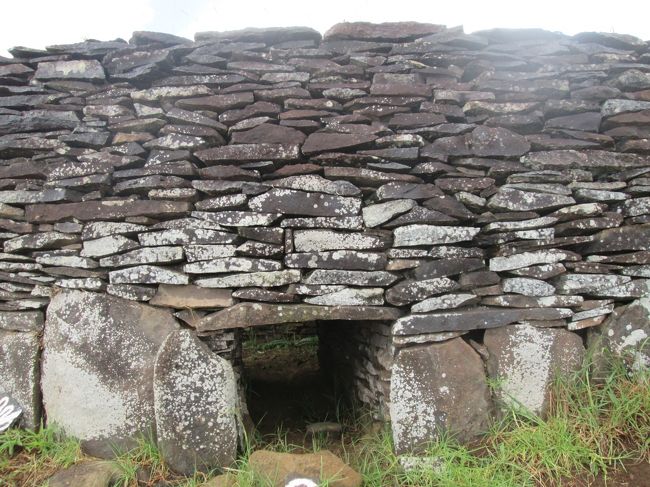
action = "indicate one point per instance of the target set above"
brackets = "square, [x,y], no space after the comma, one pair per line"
[633,475]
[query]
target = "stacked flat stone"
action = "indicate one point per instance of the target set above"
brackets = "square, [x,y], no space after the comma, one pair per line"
[401,172]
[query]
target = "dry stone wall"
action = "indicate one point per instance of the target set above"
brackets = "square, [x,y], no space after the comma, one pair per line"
[404,173]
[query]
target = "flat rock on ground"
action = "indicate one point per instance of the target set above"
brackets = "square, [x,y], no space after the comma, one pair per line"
[324,466]
[87,474]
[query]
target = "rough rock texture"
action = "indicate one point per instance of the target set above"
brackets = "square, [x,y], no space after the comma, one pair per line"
[20,365]
[195,402]
[524,360]
[626,333]
[434,388]
[98,365]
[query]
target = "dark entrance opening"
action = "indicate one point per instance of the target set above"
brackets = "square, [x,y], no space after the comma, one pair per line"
[286,387]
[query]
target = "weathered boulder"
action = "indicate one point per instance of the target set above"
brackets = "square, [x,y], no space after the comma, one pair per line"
[19,362]
[435,388]
[625,333]
[98,365]
[195,403]
[525,360]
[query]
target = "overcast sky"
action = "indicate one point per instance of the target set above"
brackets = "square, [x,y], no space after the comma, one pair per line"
[37,23]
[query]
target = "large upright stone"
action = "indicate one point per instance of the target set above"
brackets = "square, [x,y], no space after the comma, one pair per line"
[19,363]
[431,393]
[195,402]
[98,365]
[626,334]
[525,360]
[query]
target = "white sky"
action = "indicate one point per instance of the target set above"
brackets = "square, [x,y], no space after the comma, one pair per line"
[37,23]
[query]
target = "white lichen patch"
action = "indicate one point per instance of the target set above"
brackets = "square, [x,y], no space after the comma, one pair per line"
[411,235]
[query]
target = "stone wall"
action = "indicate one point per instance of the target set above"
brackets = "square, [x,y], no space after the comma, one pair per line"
[360,358]
[406,173]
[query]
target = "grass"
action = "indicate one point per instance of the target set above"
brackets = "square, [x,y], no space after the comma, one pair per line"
[591,427]
[28,458]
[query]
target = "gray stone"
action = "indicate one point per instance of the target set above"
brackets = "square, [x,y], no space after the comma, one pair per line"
[526,259]
[375,215]
[473,318]
[617,106]
[252,279]
[373,296]
[21,321]
[322,240]
[84,70]
[89,473]
[45,196]
[97,230]
[446,301]
[195,404]
[509,199]
[103,246]
[334,222]
[192,297]
[147,274]
[244,315]
[315,183]
[20,365]
[625,333]
[505,226]
[101,210]
[238,218]
[412,235]
[588,283]
[186,236]
[55,259]
[98,365]
[632,237]
[337,259]
[351,278]
[497,142]
[409,291]
[132,292]
[527,286]
[243,153]
[232,264]
[148,255]
[292,202]
[34,241]
[329,142]
[558,160]
[194,253]
[525,360]
[430,395]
